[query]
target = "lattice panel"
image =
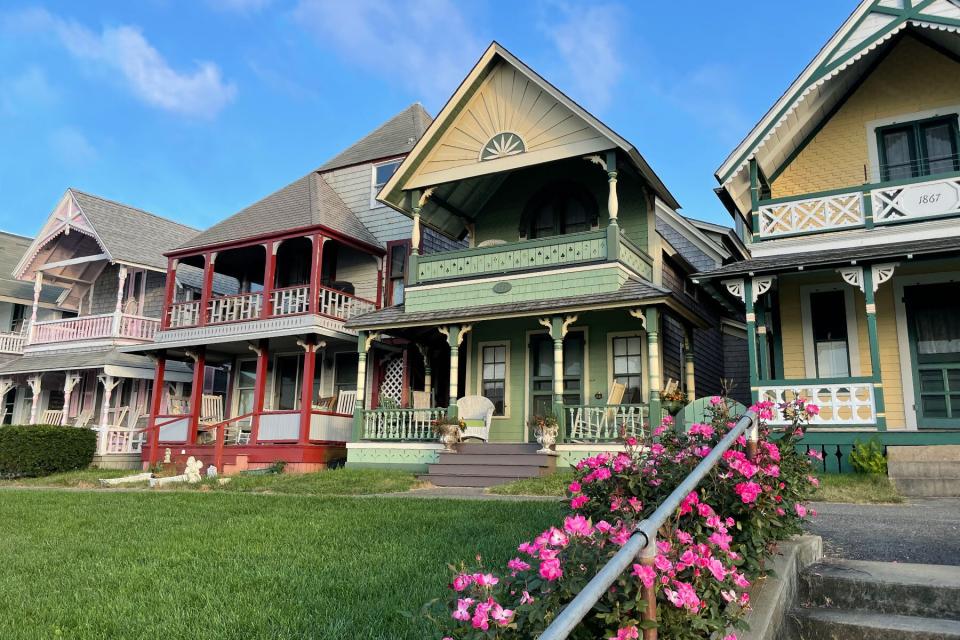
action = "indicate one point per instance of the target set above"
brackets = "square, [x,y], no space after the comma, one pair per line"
[392,385]
[813,214]
[840,404]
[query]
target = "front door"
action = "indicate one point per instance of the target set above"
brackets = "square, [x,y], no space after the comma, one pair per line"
[541,372]
[933,320]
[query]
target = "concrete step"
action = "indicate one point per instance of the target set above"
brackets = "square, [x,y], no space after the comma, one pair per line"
[465,481]
[532,459]
[924,469]
[841,624]
[930,453]
[496,448]
[927,487]
[883,587]
[498,470]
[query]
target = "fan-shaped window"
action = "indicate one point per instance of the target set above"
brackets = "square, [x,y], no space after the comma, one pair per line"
[559,209]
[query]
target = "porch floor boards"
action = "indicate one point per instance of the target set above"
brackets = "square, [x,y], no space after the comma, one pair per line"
[486,465]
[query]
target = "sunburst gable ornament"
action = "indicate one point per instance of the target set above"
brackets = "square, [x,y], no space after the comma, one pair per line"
[502,145]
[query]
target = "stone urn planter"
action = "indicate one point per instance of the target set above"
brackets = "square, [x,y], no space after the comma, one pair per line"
[546,430]
[449,433]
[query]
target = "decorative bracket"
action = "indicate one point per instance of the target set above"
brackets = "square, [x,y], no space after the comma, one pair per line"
[193,355]
[546,322]
[71,380]
[566,325]
[735,287]
[464,330]
[311,348]
[640,315]
[35,382]
[852,276]
[255,348]
[109,382]
[369,341]
[598,160]
[425,196]
[882,273]
[760,286]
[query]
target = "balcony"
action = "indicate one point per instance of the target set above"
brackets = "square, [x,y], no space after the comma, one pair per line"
[123,326]
[284,303]
[12,342]
[866,206]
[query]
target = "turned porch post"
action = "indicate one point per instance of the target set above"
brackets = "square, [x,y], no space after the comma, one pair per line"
[872,277]
[155,407]
[35,382]
[613,204]
[306,388]
[196,393]
[170,286]
[453,341]
[654,380]
[689,371]
[118,308]
[751,318]
[70,381]
[209,259]
[262,349]
[364,340]
[316,266]
[269,275]
[37,288]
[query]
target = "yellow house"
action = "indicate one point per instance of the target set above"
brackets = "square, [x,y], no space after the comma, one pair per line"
[847,194]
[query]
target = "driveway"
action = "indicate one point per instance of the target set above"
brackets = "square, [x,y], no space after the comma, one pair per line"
[923,530]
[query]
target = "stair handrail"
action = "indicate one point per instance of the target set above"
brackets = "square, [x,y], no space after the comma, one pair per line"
[642,543]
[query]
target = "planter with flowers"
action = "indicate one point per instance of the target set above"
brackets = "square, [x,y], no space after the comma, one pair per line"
[546,431]
[673,399]
[450,431]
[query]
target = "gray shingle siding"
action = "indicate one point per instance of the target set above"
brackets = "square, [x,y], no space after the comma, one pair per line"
[360,269]
[354,186]
[105,292]
[690,252]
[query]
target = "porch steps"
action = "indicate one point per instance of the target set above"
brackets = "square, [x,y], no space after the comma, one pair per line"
[858,600]
[485,465]
[927,471]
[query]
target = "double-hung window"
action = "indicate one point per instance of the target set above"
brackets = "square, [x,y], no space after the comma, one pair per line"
[381,173]
[494,376]
[628,367]
[831,346]
[921,148]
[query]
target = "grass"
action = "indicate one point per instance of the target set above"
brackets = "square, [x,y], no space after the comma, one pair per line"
[232,566]
[553,485]
[857,488]
[345,482]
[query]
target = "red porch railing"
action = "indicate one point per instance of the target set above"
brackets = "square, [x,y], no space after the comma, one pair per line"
[344,306]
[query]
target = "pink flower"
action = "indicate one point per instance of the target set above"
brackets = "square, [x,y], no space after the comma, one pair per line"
[731,636]
[557,538]
[518,565]
[717,569]
[578,502]
[463,609]
[526,598]
[500,615]
[550,570]
[578,526]
[800,509]
[813,481]
[721,539]
[631,441]
[674,597]
[740,580]
[603,526]
[575,487]
[603,473]
[626,633]
[635,504]
[485,579]
[646,574]
[461,582]
[748,491]
[690,599]
[812,409]
[481,615]
[704,510]
[715,400]
[816,455]
[686,506]
[620,536]
[683,537]
[662,563]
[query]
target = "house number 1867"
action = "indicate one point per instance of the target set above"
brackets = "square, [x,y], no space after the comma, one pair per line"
[929,198]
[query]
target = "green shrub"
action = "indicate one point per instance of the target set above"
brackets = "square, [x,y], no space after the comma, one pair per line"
[39,450]
[867,457]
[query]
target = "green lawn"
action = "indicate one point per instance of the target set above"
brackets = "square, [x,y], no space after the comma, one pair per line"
[174,564]
[554,485]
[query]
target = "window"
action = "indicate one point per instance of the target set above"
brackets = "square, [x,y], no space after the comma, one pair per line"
[9,405]
[541,366]
[628,367]
[287,382]
[560,209]
[246,386]
[828,319]
[345,372]
[493,379]
[381,173]
[396,270]
[921,148]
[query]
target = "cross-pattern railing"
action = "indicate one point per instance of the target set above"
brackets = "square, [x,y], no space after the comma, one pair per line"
[400,424]
[184,314]
[842,402]
[824,213]
[290,300]
[929,199]
[245,306]
[606,423]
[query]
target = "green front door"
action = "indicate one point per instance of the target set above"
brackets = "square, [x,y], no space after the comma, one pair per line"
[541,372]
[933,319]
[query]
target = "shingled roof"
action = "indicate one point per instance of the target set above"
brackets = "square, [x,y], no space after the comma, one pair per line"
[306,202]
[12,248]
[132,235]
[395,137]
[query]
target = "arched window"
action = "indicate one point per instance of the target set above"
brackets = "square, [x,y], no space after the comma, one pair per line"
[559,209]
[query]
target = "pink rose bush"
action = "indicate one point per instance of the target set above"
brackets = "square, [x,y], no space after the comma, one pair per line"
[706,556]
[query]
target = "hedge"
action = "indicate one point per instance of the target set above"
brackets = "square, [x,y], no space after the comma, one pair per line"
[39,450]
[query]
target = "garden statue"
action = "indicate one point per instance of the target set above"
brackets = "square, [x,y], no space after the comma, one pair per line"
[211,471]
[192,472]
[166,456]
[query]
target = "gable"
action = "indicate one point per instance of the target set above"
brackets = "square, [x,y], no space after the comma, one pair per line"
[66,218]
[509,121]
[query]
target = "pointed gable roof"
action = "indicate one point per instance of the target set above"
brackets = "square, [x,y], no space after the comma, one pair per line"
[828,79]
[505,116]
[395,137]
[307,202]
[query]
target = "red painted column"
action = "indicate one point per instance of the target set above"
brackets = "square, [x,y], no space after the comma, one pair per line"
[316,266]
[306,393]
[196,395]
[155,403]
[260,390]
[269,275]
[207,292]
[168,292]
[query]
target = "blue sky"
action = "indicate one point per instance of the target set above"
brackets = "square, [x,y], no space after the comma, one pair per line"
[193,109]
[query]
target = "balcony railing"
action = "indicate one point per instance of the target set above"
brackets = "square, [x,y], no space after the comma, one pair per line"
[842,401]
[12,342]
[606,423]
[107,325]
[862,206]
[400,424]
[287,301]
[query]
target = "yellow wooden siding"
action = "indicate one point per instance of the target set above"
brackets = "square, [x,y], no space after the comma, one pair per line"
[890,357]
[791,328]
[913,78]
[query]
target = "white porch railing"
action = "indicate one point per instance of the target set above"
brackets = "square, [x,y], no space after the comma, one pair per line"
[138,327]
[237,308]
[930,199]
[106,325]
[184,314]
[400,424]
[343,305]
[841,402]
[823,213]
[12,342]
[607,422]
[291,300]
[123,440]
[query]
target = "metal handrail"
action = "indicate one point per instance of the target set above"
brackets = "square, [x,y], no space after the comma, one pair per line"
[643,540]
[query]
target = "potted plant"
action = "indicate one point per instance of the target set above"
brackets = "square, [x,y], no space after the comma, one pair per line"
[673,400]
[546,430]
[449,431]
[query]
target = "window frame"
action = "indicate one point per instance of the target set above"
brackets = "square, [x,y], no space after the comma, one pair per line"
[644,362]
[918,146]
[388,274]
[506,373]
[853,327]
[374,188]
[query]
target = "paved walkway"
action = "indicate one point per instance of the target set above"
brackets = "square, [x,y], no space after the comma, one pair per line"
[463,493]
[920,530]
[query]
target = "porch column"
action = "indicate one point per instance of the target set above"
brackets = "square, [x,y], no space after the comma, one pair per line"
[196,392]
[269,274]
[316,264]
[306,388]
[156,402]
[654,382]
[109,384]
[364,340]
[170,286]
[427,374]
[70,380]
[118,308]
[613,205]
[689,371]
[871,281]
[751,318]
[455,334]
[6,385]
[35,383]
[262,349]
[37,288]
[207,291]
[763,347]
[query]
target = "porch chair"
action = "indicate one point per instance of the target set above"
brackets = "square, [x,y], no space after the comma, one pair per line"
[422,420]
[592,423]
[477,413]
[83,419]
[211,413]
[346,402]
[51,416]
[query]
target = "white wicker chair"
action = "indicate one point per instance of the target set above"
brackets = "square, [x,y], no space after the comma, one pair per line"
[476,408]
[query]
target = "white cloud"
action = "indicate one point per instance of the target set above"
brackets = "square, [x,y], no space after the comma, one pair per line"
[426,44]
[201,92]
[239,6]
[71,147]
[586,37]
[26,91]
